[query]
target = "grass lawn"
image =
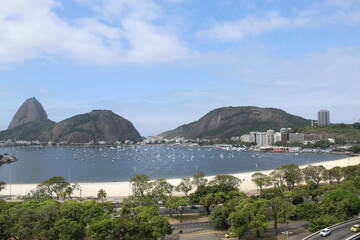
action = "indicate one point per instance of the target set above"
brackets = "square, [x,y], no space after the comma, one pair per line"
[188,218]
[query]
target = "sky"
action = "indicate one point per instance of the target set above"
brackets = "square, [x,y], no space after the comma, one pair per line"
[164,63]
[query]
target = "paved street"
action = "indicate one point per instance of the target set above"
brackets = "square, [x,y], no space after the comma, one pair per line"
[340,232]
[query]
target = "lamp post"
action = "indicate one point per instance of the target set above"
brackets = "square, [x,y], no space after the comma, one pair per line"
[10,179]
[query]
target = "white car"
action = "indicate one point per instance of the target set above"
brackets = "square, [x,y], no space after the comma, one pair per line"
[325,232]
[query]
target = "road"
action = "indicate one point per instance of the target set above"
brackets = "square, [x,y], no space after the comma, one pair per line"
[340,232]
[188,210]
[203,225]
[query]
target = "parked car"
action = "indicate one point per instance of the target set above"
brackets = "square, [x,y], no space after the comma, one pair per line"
[355,228]
[325,232]
[230,235]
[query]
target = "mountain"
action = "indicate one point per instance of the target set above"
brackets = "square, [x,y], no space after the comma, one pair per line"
[31,123]
[30,131]
[235,121]
[30,110]
[98,125]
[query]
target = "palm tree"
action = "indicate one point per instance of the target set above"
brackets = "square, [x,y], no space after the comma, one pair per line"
[102,194]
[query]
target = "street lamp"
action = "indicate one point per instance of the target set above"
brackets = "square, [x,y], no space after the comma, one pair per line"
[10,179]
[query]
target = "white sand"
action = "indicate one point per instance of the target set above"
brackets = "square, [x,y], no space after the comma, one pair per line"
[123,189]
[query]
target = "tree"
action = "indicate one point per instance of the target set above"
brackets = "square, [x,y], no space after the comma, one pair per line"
[2,186]
[336,173]
[271,193]
[219,217]
[22,222]
[292,175]
[208,201]
[279,210]
[249,215]
[228,180]
[261,180]
[199,179]
[321,221]
[315,173]
[355,149]
[277,177]
[47,214]
[70,189]
[100,229]
[66,229]
[162,190]
[351,172]
[314,191]
[140,185]
[306,173]
[38,194]
[184,186]
[308,210]
[179,204]
[101,194]
[140,227]
[95,212]
[202,191]
[160,227]
[72,210]
[341,203]
[54,185]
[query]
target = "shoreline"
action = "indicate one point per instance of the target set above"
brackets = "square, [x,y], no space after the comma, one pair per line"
[123,189]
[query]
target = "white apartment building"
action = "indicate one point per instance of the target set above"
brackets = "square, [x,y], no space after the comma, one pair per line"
[270,137]
[277,137]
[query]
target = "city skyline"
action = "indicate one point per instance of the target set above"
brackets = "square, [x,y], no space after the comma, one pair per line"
[162,64]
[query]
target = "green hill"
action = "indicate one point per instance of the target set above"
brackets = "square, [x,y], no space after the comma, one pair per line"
[345,132]
[98,125]
[234,121]
[30,131]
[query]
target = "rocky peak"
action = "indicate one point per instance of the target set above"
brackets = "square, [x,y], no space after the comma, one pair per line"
[30,110]
[98,125]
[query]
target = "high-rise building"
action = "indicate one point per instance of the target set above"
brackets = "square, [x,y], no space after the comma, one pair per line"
[323,117]
[270,137]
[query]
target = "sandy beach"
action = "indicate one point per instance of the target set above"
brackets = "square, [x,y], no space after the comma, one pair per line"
[123,189]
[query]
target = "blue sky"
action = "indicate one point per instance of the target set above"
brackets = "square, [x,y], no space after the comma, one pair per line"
[164,63]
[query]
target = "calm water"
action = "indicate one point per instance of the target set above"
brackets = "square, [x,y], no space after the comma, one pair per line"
[107,165]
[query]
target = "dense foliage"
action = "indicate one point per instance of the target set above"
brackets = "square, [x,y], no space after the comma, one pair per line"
[39,216]
[75,220]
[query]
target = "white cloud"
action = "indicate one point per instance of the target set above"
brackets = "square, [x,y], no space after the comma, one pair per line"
[318,14]
[234,31]
[31,29]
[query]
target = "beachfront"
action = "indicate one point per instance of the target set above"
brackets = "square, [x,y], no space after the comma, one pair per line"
[123,189]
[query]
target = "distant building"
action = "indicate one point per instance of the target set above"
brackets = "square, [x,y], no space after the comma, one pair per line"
[277,137]
[154,139]
[284,137]
[260,138]
[323,117]
[282,130]
[314,123]
[247,138]
[270,137]
[296,137]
